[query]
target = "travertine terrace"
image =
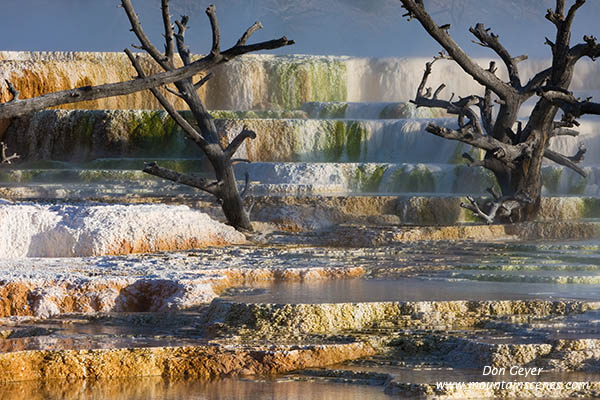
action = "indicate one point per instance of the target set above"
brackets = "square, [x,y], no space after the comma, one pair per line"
[363,268]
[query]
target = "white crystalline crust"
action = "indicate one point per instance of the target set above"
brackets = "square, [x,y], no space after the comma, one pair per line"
[32,230]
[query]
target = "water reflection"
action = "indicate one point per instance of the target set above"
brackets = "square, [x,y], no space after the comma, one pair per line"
[408,289]
[105,331]
[156,388]
[447,271]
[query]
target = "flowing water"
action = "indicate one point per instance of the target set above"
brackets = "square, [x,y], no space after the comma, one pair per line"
[349,115]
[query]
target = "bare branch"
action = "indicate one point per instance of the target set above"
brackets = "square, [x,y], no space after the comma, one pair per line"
[238,140]
[174,92]
[187,128]
[500,207]
[491,40]
[267,45]
[22,107]
[169,35]
[201,183]
[428,69]
[184,51]
[520,58]
[568,162]
[571,14]
[572,106]
[4,158]
[556,17]
[203,80]
[461,107]
[417,10]
[147,45]
[507,153]
[564,132]
[12,90]
[590,49]
[439,90]
[216,36]
[561,62]
[242,41]
[474,207]
[564,123]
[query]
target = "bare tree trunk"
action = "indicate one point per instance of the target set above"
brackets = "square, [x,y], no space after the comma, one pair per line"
[206,136]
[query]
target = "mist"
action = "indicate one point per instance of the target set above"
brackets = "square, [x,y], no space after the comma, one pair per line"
[337,27]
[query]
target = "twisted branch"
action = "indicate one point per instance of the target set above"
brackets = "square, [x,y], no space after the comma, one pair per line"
[500,207]
[27,106]
[416,9]
[470,129]
[572,106]
[569,162]
[136,27]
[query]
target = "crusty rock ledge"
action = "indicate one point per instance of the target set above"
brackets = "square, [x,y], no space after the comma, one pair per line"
[203,362]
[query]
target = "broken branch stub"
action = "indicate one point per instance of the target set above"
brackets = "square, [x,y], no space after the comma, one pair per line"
[4,157]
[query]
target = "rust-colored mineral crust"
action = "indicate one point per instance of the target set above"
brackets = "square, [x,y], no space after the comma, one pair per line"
[202,362]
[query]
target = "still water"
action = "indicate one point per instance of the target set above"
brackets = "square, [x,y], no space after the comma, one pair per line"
[446,271]
[156,388]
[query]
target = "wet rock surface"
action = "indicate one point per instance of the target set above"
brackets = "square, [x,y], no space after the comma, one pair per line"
[409,307]
[403,348]
[180,327]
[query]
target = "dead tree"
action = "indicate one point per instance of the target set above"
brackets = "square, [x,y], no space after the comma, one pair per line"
[513,152]
[205,135]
